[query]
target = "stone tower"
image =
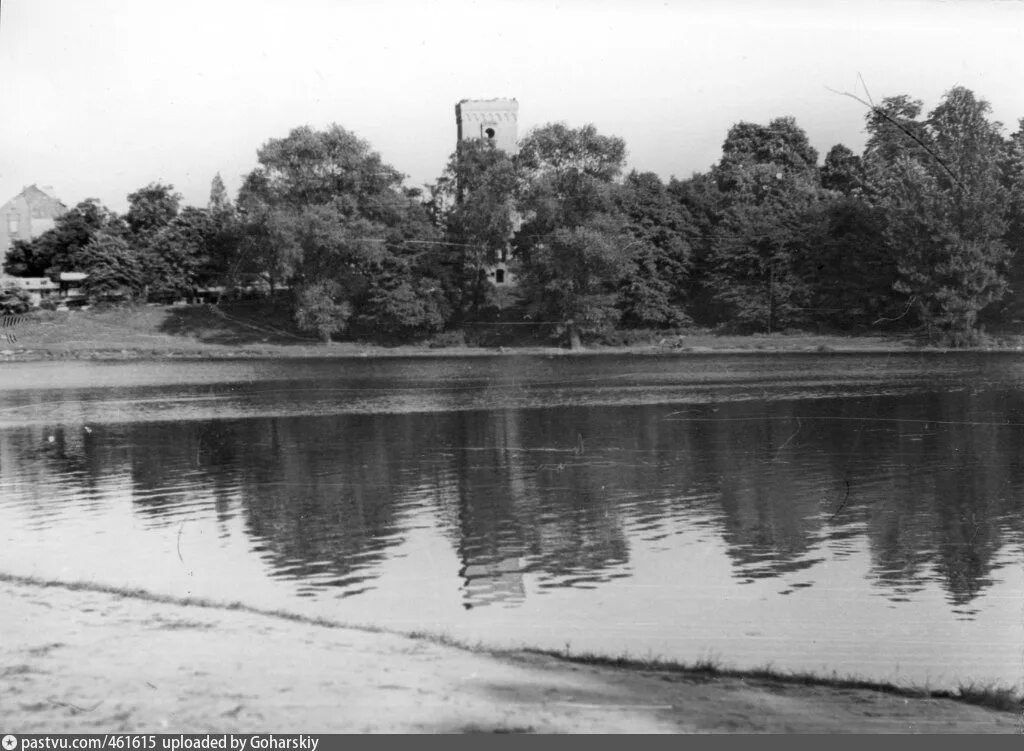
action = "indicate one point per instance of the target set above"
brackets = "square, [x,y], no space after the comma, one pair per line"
[492,119]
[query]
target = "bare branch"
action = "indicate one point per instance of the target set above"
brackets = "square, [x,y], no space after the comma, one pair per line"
[886,116]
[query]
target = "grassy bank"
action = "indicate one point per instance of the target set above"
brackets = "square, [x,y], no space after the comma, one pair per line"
[981,693]
[255,329]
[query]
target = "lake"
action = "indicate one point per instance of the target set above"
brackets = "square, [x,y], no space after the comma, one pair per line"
[859,514]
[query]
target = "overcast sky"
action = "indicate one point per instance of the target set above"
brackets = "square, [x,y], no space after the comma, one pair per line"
[100,98]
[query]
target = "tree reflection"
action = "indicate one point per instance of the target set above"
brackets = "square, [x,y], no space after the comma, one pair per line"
[931,483]
[530,499]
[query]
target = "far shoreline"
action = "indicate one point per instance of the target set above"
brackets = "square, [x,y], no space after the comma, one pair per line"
[199,332]
[354,350]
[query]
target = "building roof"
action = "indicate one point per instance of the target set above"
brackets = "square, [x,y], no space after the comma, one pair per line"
[33,283]
[34,195]
[47,189]
[493,99]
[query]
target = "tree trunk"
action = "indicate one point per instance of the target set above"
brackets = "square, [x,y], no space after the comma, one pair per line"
[574,337]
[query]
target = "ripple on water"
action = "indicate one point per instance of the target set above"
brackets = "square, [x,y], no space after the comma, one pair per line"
[764,514]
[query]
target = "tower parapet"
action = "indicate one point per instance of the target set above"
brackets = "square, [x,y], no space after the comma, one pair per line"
[490,119]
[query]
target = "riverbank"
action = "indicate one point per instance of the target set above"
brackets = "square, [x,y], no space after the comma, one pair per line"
[89,659]
[206,332]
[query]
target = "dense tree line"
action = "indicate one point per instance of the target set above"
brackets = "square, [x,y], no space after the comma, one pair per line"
[922,232]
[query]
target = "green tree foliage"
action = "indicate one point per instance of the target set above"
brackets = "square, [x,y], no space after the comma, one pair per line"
[575,276]
[842,171]
[895,132]
[114,269]
[332,166]
[261,245]
[326,244]
[853,270]
[320,308]
[30,257]
[1014,236]
[222,237]
[759,249]
[653,292]
[219,201]
[573,244]
[781,144]
[177,257]
[323,206]
[946,202]
[700,197]
[14,300]
[567,156]
[476,196]
[152,208]
[400,305]
[172,247]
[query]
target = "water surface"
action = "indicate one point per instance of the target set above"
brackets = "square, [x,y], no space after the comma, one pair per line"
[861,514]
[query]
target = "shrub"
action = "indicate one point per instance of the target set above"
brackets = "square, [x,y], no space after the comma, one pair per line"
[319,308]
[454,338]
[14,301]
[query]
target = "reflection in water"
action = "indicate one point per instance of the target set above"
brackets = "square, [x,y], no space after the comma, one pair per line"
[543,505]
[933,482]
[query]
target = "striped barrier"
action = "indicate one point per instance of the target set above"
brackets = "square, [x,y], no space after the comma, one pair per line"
[7,322]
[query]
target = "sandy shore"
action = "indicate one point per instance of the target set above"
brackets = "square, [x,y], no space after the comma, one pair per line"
[91,661]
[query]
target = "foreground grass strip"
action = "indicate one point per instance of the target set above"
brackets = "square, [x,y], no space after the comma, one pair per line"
[989,694]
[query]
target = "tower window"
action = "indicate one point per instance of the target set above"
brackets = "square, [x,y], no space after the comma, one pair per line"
[489,132]
[499,276]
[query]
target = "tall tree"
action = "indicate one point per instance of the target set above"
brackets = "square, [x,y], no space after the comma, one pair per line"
[178,255]
[114,269]
[701,198]
[222,237]
[1014,236]
[654,291]
[339,214]
[332,166]
[853,270]
[152,208]
[946,202]
[782,144]
[321,307]
[842,171]
[575,275]
[478,192]
[219,201]
[573,243]
[759,250]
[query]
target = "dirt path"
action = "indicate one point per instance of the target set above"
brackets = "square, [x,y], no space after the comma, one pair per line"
[85,661]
